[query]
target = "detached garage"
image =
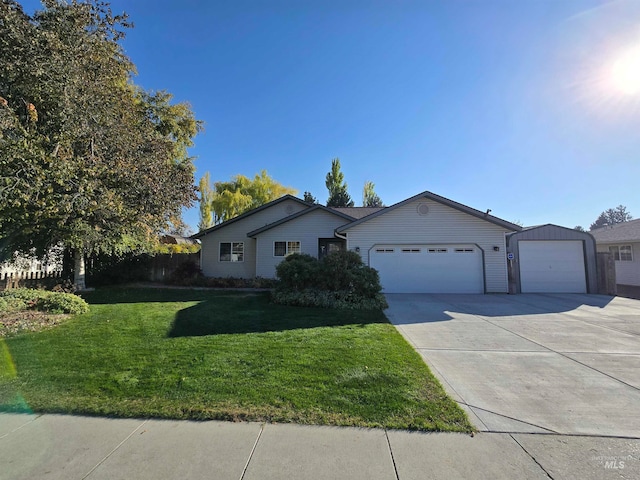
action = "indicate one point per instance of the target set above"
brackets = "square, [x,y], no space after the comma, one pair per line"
[552,259]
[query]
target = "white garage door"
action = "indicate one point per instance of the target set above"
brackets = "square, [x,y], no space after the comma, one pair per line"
[428,268]
[552,266]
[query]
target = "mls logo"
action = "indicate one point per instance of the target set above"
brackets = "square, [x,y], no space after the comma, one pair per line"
[614,464]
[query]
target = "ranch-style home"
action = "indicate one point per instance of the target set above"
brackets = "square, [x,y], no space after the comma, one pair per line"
[424,244]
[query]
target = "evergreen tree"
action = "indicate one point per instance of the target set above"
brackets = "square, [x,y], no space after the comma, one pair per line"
[338,196]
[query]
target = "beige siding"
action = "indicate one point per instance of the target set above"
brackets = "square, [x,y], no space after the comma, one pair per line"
[441,225]
[237,232]
[306,229]
[627,273]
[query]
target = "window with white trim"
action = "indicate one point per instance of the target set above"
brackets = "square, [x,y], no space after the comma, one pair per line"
[282,249]
[384,250]
[231,252]
[623,253]
[464,250]
[410,250]
[437,250]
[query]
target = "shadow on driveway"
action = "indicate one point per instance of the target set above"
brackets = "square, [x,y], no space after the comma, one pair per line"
[421,308]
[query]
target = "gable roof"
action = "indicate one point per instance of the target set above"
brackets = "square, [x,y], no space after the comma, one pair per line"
[445,201]
[297,215]
[620,232]
[546,225]
[358,212]
[250,212]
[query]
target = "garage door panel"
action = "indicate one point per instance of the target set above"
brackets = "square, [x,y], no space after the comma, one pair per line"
[552,266]
[429,268]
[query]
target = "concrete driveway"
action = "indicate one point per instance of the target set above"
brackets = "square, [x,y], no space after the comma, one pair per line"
[567,364]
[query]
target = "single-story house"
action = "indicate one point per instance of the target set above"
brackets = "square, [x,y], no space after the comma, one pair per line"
[426,243]
[622,241]
[552,259]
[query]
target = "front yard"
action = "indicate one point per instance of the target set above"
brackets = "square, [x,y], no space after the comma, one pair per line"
[192,354]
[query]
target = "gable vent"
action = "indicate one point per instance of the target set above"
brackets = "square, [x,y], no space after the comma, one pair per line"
[423,209]
[288,209]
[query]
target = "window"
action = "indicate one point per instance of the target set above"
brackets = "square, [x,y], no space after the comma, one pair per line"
[622,253]
[282,249]
[384,250]
[410,250]
[437,250]
[232,251]
[464,250]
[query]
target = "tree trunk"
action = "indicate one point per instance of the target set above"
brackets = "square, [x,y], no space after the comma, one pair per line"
[78,270]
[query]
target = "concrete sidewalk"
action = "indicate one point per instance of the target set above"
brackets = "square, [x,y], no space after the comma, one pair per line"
[73,447]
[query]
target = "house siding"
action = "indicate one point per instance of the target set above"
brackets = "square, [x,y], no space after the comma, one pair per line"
[441,225]
[306,229]
[237,232]
[627,273]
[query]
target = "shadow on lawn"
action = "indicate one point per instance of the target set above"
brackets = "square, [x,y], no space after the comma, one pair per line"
[154,294]
[255,315]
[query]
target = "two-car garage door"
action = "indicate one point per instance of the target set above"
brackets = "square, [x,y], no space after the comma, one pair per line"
[428,268]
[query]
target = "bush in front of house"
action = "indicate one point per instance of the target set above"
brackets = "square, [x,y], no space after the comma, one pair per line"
[339,280]
[51,302]
[298,272]
[187,274]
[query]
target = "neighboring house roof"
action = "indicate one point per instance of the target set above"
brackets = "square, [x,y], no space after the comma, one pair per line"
[250,212]
[620,232]
[176,240]
[445,201]
[358,212]
[332,211]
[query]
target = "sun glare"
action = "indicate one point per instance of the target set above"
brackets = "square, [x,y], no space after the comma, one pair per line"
[626,72]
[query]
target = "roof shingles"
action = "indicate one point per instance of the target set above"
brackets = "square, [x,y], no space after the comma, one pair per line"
[620,232]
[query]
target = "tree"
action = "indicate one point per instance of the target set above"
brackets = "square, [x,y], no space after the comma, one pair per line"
[206,197]
[369,196]
[87,159]
[310,198]
[579,228]
[338,196]
[241,194]
[611,216]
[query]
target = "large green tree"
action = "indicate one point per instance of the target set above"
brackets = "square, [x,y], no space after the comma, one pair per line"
[338,195]
[87,159]
[227,200]
[369,196]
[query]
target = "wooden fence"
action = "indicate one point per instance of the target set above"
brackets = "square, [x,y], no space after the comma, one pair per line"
[30,279]
[606,274]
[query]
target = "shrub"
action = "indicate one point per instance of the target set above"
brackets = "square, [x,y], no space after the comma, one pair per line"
[298,272]
[346,272]
[11,304]
[51,302]
[339,280]
[187,273]
[326,299]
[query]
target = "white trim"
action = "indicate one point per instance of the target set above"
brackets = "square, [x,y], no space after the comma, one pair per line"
[287,247]
[233,257]
[616,251]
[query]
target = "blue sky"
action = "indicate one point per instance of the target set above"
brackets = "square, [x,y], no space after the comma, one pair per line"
[507,105]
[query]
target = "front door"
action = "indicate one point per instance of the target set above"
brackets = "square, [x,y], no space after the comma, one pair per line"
[329,245]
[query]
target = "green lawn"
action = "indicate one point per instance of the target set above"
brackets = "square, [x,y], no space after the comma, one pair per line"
[224,355]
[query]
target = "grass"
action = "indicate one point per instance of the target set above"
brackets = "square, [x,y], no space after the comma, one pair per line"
[191,354]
